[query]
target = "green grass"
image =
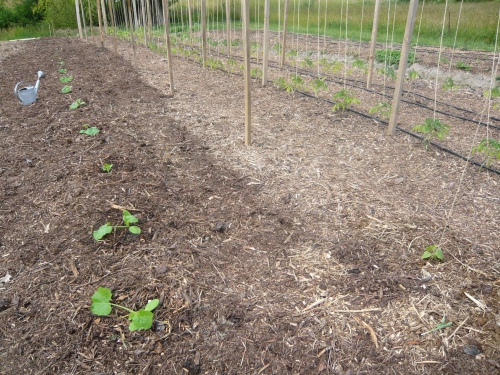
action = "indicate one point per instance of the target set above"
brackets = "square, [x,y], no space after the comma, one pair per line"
[33,31]
[477,24]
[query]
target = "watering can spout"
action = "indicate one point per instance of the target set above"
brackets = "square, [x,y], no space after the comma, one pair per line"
[27,93]
[37,84]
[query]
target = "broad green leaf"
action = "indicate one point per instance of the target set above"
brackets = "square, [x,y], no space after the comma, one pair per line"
[152,305]
[135,230]
[66,89]
[141,319]
[74,105]
[90,131]
[102,231]
[128,218]
[62,70]
[100,302]
[426,255]
[439,253]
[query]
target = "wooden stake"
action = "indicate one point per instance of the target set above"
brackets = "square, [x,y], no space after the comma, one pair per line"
[190,23]
[78,20]
[104,18]
[371,58]
[132,30]
[91,22]
[265,57]
[204,30]
[125,15]
[144,23]
[82,9]
[150,19]
[403,62]
[166,21]
[136,17]
[228,24]
[100,23]
[285,22]
[115,43]
[246,52]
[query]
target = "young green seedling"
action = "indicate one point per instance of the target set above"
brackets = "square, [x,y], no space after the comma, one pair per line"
[62,70]
[441,325]
[106,167]
[66,79]
[77,103]
[490,147]
[89,131]
[317,85]
[256,73]
[345,99]
[463,66]
[413,75]
[383,108]
[107,228]
[67,89]
[448,84]
[433,128]
[433,252]
[141,319]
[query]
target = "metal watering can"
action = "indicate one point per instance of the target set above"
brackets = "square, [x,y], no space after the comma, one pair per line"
[27,94]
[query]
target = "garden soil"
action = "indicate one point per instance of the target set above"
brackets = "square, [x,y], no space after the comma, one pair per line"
[300,254]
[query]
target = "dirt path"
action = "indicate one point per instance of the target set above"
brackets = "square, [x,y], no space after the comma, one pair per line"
[298,255]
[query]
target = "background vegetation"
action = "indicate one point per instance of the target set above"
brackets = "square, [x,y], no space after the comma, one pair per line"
[477,29]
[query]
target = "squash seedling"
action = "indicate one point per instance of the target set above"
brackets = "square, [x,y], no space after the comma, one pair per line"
[66,79]
[62,70]
[433,252]
[77,103]
[107,228]
[67,89]
[89,131]
[106,167]
[141,319]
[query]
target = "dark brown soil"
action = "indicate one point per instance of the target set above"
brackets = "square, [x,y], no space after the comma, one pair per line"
[253,278]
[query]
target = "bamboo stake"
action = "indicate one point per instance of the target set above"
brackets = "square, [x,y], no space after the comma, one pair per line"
[371,58]
[91,22]
[228,25]
[285,22]
[100,23]
[403,62]
[265,58]
[78,20]
[115,43]
[204,30]
[246,51]
[104,18]
[166,21]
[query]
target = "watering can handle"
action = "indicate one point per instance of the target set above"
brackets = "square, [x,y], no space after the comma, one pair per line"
[19,83]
